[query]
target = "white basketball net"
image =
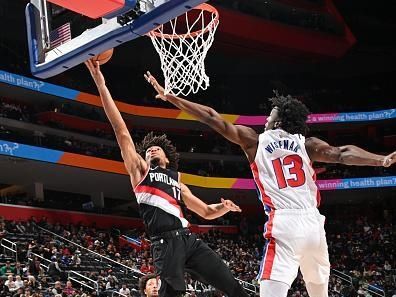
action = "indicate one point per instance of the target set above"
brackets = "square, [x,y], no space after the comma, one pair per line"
[183,53]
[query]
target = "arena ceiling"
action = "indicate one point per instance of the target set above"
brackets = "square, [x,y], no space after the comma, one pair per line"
[371,22]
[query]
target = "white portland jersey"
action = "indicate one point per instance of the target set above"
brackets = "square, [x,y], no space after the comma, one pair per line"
[283,173]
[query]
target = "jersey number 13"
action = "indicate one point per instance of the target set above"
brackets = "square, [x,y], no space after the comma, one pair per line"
[293,164]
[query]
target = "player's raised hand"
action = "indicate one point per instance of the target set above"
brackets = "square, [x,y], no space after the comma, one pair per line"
[389,159]
[231,206]
[94,69]
[158,88]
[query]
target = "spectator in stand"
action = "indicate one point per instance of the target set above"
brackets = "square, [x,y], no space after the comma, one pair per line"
[111,276]
[337,287]
[34,267]
[10,284]
[125,291]
[54,270]
[18,282]
[146,267]
[7,270]
[64,250]
[29,226]
[76,260]
[57,290]
[148,286]
[12,227]
[18,269]
[69,290]
[111,285]
[25,283]
[31,281]
[3,231]
[32,248]
[65,260]
[358,245]
[28,292]
[18,293]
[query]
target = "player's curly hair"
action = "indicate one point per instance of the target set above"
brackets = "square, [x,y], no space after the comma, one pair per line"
[292,113]
[164,143]
[143,282]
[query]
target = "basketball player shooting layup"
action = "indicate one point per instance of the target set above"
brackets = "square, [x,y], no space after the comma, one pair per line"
[280,159]
[159,193]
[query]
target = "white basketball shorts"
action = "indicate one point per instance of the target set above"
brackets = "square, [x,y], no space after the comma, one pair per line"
[295,238]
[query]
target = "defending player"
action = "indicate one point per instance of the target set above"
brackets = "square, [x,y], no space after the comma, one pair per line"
[280,159]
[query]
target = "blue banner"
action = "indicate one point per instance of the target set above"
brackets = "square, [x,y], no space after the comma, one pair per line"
[345,117]
[42,154]
[37,85]
[29,152]
[357,183]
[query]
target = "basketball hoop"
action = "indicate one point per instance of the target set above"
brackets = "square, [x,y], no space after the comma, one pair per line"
[182,45]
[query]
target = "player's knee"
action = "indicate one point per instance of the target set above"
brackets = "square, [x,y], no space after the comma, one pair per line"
[271,288]
[317,280]
[317,290]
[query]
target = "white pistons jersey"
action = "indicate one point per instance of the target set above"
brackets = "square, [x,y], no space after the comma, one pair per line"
[283,173]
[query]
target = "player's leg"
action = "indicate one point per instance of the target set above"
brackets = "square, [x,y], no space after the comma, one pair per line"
[166,290]
[318,290]
[270,288]
[316,272]
[278,268]
[315,264]
[169,257]
[207,266]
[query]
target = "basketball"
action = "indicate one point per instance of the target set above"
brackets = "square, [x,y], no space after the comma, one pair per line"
[104,57]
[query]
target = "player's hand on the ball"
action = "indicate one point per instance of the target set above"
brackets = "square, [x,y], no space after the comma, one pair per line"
[158,88]
[94,69]
[231,206]
[389,159]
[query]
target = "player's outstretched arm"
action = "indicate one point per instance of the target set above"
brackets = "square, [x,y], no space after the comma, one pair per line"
[208,212]
[320,151]
[244,136]
[134,163]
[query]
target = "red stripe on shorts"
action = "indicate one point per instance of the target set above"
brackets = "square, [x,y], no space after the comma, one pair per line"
[269,259]
[269,225]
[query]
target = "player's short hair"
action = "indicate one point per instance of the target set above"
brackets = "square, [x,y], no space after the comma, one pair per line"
[163,142]
[292,114]
[143,282]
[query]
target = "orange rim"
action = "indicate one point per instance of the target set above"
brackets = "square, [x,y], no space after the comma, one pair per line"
[212,23]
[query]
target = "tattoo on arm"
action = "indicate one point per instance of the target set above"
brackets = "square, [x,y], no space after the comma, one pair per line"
[219,206]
